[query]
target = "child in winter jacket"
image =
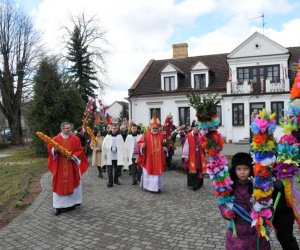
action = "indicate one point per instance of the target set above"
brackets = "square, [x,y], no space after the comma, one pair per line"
[246,238]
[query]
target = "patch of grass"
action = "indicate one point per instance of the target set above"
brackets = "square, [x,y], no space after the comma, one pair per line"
[17,168]
[25,192]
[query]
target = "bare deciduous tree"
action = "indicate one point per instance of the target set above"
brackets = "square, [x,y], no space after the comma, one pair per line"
[19,51]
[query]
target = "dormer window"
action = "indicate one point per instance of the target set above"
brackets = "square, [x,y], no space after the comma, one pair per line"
[169,83]
[199,76]
[199,81]
[169,77]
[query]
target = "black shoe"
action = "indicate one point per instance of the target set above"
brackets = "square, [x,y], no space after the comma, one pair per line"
[58,211]
[100,172]
[110,185]
[67,209]
[155,192]
[118,183]
[134,182]
[196,188]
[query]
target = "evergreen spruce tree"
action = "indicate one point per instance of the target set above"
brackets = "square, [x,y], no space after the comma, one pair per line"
[54,102]
[124,115]
[86,58]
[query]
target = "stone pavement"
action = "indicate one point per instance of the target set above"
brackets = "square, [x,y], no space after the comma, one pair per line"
[228,150]
[123,217]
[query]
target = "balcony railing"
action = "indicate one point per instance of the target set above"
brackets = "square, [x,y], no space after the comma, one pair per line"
[248,87]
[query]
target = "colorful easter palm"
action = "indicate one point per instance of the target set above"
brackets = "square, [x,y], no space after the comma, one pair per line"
[263,147]
[212,143]
[288,158]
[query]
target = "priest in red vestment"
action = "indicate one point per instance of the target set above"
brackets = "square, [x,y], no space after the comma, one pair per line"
[194,159]
[152,157]
[66,173]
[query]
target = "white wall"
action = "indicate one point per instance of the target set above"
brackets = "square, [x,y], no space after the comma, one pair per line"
[236,133]
[141,112]
[141,109]
[114,110]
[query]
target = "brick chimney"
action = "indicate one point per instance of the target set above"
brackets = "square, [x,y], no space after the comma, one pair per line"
[180,50]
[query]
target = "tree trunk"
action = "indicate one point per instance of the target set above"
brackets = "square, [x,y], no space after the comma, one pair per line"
[19,52]
[14,123]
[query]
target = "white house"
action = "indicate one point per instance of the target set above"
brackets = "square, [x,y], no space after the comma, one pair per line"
[115,108]
[255,75]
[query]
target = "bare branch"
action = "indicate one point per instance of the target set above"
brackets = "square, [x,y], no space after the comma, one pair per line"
[19,53]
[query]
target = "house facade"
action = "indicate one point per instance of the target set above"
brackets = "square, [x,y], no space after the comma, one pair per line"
[255,75]
[115,108]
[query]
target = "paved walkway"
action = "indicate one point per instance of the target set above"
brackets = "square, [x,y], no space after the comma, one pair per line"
[122,217]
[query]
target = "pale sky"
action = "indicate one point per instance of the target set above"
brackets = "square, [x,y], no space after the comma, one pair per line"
[141,30]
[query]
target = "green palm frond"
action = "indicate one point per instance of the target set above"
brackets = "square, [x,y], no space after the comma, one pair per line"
[205,105]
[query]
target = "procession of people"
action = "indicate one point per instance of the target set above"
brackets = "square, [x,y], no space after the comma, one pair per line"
[120,147]
[147,155]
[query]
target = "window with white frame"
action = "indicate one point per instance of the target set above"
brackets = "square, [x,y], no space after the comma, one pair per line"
[199,81]
[199,76]
[155,111]
[277,107]
[273,73]
[243,74]
[169,83]
[238,114]
[184,115]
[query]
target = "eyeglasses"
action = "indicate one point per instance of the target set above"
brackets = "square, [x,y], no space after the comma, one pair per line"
[154,128]
[67,128]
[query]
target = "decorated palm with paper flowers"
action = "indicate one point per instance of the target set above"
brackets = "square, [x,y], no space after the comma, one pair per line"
[263,147]
[66,153]
[288,158]
[212,143]
[91,134]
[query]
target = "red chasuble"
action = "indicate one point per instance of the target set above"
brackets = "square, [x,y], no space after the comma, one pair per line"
[153,159]
[195,148]
[65,172]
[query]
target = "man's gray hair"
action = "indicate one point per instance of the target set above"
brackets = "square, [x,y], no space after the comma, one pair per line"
[63,124]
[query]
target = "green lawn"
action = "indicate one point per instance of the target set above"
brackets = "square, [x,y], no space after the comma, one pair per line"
[18,168]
